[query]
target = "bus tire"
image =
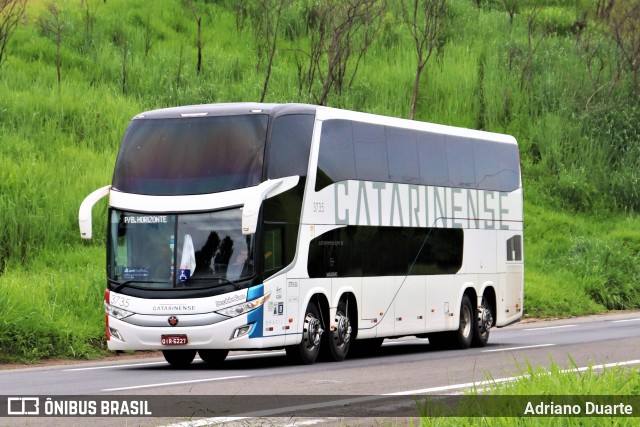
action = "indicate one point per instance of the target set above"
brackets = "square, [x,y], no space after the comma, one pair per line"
[339,340]
[464,335]
[179,358]
[307,351]
[213,357]
[484,320]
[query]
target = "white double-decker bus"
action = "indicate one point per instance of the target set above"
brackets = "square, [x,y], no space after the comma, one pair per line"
[321,231]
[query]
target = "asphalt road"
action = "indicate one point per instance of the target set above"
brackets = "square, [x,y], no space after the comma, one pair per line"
[325,393]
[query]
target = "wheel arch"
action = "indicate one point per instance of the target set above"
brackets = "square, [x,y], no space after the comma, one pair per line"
[322,302]
[489,293]
[350,297]
[470,291]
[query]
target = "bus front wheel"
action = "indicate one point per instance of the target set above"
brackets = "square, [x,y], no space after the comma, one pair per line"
[213,357]
[307,351]
[179,358]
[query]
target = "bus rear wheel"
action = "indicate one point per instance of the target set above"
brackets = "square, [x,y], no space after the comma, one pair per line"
[484,321]
[213,357]
[464,335]
[307,351]
[339,339]
[179,358]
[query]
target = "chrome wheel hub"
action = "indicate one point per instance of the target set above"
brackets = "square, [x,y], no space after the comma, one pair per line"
[342,333]
[485,319]
[314,330]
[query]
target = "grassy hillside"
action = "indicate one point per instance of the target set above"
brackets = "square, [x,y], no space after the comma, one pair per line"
[554,78]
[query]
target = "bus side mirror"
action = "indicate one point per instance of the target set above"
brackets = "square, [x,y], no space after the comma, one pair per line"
[251,208]
[84,215]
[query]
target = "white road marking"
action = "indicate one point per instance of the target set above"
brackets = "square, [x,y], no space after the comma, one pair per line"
[446,388]
[267,353]
[549,327]
[517,348]
[129,365]
[207,422]
[603,366]
[175,383]
[306,422]
[626,320]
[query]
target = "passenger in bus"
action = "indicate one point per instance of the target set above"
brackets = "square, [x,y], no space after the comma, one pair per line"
[235,269]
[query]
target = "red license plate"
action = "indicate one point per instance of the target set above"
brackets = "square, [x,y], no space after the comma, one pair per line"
[173,340]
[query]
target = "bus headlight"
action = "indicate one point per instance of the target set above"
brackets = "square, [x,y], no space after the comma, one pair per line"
[245,307]
[117,312]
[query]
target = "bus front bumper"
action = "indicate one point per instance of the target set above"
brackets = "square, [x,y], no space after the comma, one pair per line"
[236,333]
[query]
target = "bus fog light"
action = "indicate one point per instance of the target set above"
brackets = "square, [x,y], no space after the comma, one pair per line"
[115,334]
[241,331]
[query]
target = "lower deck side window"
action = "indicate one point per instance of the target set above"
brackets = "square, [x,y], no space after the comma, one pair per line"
[364,251]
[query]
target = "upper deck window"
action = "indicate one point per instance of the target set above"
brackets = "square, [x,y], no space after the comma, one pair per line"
[191,155]
[290,143]
[374,152]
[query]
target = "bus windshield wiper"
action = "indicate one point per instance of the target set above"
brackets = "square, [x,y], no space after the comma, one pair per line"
[199,279]
[120,285]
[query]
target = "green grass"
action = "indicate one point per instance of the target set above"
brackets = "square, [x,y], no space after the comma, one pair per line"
[51,309]
[543,385]
[578,136]
[579,263]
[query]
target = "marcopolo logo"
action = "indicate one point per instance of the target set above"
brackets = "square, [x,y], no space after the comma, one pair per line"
[230,299]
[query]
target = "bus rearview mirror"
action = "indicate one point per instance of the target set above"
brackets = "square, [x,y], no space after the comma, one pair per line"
[251,208]
[86,207]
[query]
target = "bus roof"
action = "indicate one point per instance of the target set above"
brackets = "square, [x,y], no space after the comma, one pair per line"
[227,109]
[327,113]
[322,113]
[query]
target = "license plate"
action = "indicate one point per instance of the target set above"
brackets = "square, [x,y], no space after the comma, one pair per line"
[173,340]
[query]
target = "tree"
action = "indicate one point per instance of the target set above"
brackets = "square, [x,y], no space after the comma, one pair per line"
[148,35]
[425,20]
[10,13]
[533,25]
[125,53]
[266,24]
[52,28]
[603,9]
[198,17]
[340,34]
[89,15]
[625,26]
[511,7]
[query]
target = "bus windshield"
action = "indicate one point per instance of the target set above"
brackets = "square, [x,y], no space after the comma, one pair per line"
[166,251]
[191,155]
